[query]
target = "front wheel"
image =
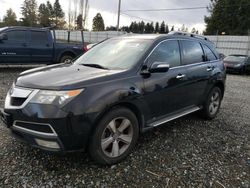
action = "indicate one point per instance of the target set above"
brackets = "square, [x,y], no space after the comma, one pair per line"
[212,105]
[115,136]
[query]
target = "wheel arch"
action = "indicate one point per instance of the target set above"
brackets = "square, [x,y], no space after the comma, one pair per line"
[132,107]
[68,52]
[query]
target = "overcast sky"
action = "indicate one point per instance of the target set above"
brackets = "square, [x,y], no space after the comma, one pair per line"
[108,9]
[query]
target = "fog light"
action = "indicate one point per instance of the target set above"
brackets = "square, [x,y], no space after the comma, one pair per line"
[47,144]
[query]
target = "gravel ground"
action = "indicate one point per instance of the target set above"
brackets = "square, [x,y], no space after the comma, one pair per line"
[188,152]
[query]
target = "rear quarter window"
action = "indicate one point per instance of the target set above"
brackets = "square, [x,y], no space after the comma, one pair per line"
[209,53]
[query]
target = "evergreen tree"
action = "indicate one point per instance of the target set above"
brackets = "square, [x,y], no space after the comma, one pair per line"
[28,10]
[162,27]
[229,16]
[151,27]
[157,27]
[147,28]
[141,26]
[10,18]
[79,21]
[172,29]
[98,23]
[58,15]
[167,29]
[44,16]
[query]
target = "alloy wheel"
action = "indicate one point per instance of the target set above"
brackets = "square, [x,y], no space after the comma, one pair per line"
[214,103]
[117,137]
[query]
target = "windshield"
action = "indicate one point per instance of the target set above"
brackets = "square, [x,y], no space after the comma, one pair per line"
[235,59]
[115,53]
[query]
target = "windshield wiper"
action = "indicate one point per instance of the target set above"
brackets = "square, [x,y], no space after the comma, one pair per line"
[95,66]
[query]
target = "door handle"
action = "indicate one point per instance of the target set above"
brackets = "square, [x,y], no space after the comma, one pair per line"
[180,76]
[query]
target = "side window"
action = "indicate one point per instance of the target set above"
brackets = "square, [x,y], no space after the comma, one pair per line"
[167,52]
[16,36]
[210,55]
[192,52]
[39,37]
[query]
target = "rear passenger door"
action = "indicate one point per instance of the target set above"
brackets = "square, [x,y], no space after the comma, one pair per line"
[15,49]
[41,47]
[199,70]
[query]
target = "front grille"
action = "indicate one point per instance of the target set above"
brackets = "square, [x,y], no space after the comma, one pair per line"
[16,101]
[44,128]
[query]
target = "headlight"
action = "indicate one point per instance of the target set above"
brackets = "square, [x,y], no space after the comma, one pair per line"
[55,97]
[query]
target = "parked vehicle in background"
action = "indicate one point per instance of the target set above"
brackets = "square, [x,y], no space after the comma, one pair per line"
[237,63]
[115,91]
[222,56]
[28,45]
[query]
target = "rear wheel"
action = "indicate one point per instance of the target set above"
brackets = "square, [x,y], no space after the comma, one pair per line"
[115,136]
[66,59]
[212,105]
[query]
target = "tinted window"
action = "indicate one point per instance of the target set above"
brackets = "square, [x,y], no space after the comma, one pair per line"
[16,36]
[192,52]
[167,52]
[210,55]
[39,37]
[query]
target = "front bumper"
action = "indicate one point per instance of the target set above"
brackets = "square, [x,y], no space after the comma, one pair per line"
[41,127]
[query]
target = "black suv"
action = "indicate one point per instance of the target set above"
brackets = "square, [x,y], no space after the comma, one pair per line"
[117,90]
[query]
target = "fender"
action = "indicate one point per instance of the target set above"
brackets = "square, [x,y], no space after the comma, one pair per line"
[109,96]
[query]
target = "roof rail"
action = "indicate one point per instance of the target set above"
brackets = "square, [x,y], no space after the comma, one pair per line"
[189,35]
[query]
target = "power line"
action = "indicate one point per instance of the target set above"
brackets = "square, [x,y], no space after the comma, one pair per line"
[163,9]
[137,17]
[180,9]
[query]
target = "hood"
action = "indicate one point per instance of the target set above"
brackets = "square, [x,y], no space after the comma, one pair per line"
[63,77]
[233,63]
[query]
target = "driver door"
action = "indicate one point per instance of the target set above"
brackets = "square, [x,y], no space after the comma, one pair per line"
[165,93]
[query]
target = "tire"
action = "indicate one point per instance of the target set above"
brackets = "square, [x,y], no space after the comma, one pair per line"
[212,104]
[107,144]
[66,58]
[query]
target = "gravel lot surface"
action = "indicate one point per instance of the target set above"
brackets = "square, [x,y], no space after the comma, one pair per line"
[188,152]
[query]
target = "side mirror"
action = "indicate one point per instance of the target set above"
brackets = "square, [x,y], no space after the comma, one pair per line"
[158,67]
[3,36]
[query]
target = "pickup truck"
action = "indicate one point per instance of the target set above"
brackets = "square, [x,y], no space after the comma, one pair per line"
[28,45]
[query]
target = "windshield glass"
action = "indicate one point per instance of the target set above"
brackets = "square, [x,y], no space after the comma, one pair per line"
[3,28]
[236,59]
[115,53]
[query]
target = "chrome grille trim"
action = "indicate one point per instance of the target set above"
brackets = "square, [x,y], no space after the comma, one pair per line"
[19,92]
[30,131]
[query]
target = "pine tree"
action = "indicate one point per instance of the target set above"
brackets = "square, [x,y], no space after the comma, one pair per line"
[28,10]
[58,15]
[141,26]
[157,27]
[172,29]
[10,18]
[43,16]
[229,16]
[167,29]
[162,27]
[79,22]
[98,23]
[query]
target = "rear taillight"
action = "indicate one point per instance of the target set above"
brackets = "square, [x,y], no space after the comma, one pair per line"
[84,48]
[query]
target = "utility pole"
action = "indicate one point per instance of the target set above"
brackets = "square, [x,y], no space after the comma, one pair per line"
[119,13]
